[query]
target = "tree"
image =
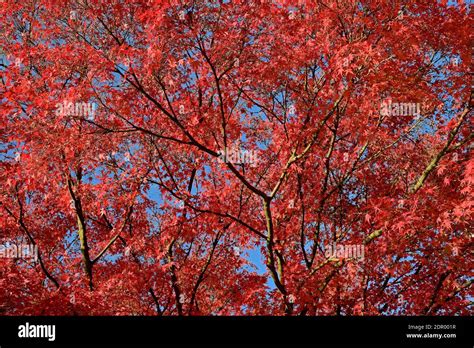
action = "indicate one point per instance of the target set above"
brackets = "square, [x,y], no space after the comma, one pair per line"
[149,147]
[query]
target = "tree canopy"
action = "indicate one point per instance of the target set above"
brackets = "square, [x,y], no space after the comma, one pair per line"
[202,157]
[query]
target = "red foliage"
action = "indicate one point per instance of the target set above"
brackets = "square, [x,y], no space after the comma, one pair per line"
[148,148]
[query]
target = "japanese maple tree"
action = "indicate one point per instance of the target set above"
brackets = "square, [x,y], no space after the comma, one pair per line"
[202,157]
